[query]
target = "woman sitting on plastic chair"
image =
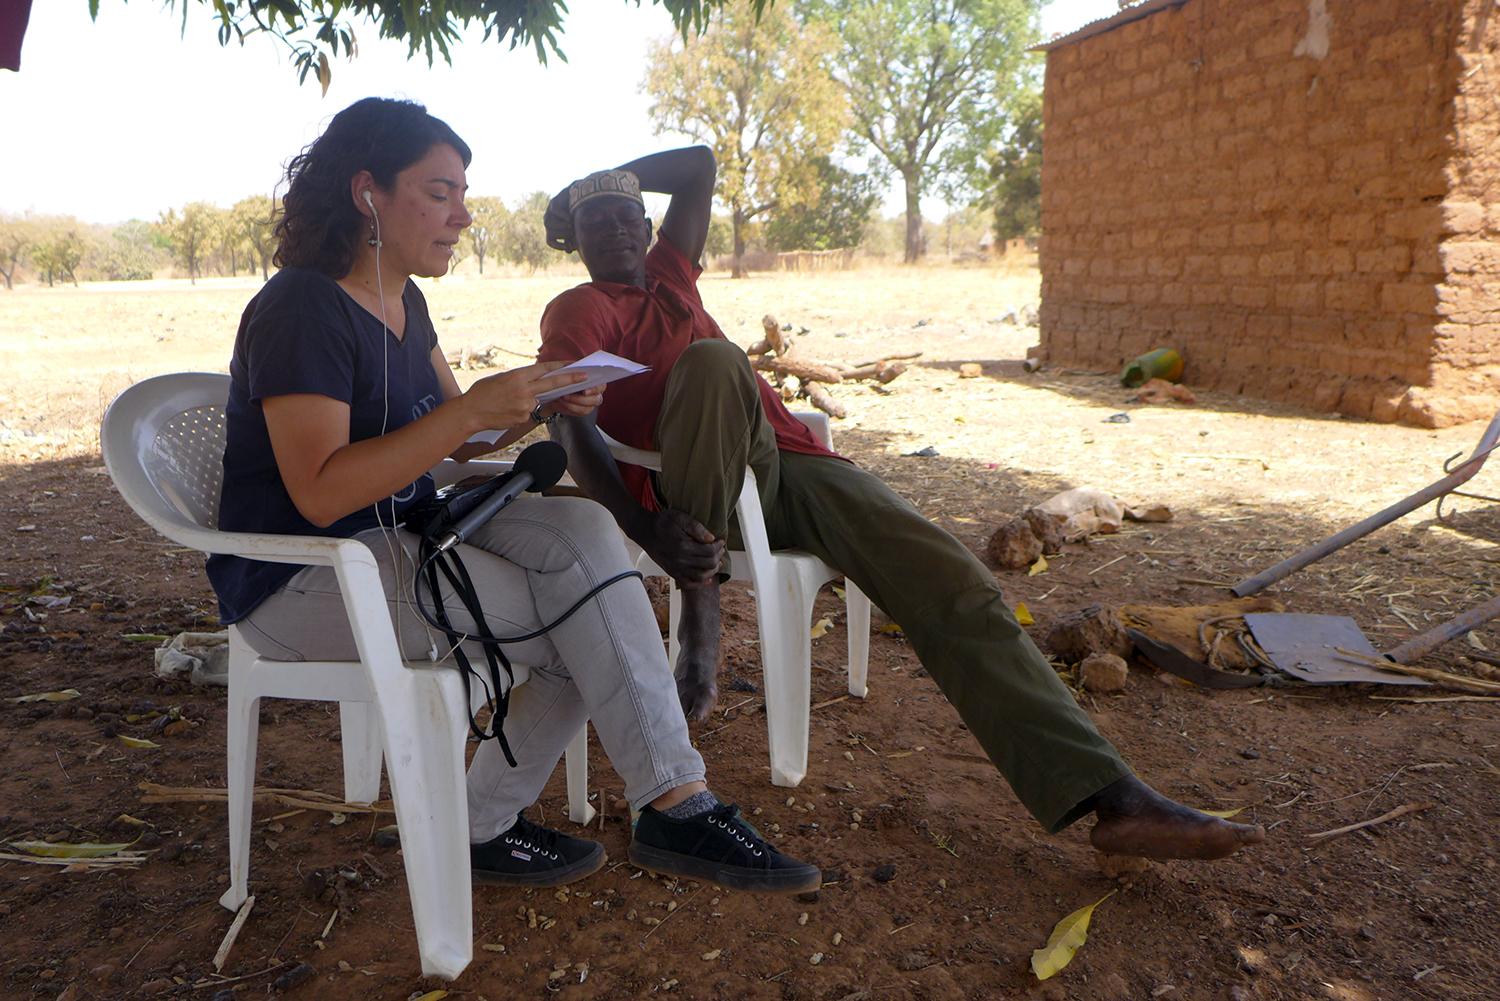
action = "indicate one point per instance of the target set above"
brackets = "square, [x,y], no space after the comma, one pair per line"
[341,401]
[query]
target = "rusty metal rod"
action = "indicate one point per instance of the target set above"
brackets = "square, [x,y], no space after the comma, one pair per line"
[1420,646]
[1460,475]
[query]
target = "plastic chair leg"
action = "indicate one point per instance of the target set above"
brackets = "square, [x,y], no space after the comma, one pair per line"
[359,727]
[857,604]
[785,612]
[577,765]
[422,718]
[239,764]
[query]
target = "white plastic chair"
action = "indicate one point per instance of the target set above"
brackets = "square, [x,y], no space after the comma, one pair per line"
[163,443]
[785,581]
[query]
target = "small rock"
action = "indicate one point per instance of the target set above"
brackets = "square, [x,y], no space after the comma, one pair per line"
[833,876]
[1250,754]
[915,961]
[802,918]
[103,971]
[153,987]
[1104,672]
[171,851]
[1013,545]
[810,897]
[1092,629]
[1047,528]
[149,839]
[711,955]
[1115,866]
[291,978]
[4,910]
[1238,994]
[883,873]
[1367,933]
[386,839]
[970,370]
[225,995]
[838,937]
[815,958]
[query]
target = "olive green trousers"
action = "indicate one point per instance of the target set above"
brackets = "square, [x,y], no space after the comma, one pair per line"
[946,602]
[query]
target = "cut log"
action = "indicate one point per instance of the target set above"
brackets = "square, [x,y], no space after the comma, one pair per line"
[817,395]
[881,371]
[773,334]
[807,371]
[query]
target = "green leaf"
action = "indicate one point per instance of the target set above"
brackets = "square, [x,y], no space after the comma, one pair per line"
[62,849]
[1067,938]
[137,742]
[62,696]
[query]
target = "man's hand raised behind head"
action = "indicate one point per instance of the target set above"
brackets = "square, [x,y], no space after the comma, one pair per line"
[559,224]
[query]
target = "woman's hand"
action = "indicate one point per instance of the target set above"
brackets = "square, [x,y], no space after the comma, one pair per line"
[506,400]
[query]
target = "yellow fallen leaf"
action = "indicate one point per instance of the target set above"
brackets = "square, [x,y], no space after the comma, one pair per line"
[889,627]
[137,742]
[840,592]
[1023,614]
[127,818]
[1040,566]
[432,996]
[1225,814]
[1066,939]
[62,849]
[62,696]
[820,627]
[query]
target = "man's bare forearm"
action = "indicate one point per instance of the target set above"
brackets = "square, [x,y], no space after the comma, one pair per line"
[594,470]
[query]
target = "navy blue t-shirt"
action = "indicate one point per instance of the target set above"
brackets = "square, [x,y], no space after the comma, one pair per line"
[303,334]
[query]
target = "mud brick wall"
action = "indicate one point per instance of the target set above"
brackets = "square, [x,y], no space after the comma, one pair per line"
[1303,196]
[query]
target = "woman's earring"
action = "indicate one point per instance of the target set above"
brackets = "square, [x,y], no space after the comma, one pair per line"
[374,239]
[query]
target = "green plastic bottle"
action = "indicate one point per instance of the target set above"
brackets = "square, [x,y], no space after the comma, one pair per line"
[1163,363]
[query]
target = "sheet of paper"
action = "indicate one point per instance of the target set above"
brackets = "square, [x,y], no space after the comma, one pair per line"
[600,367]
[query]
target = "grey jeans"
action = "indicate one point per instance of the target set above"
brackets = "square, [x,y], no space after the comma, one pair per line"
[605,663]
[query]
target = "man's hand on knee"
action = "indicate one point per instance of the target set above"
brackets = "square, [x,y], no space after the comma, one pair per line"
[680,545]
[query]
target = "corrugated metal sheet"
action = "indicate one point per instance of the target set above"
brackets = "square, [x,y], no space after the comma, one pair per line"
[1109,23]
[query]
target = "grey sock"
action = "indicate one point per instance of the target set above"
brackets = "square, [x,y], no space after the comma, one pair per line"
[696,804]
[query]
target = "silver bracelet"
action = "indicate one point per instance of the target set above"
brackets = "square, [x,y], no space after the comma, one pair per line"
[536,415]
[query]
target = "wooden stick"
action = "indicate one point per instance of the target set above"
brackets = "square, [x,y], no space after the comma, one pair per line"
[818,396]
[877,361]
[1431,674]
[222,956]
[773,334]
[790,364]
[1399,811]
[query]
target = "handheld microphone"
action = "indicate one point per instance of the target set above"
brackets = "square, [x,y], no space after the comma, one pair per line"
[538,467]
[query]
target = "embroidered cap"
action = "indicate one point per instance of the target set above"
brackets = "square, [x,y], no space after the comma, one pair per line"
[604,182]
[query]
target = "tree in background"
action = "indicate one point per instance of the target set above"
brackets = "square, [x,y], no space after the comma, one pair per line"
[192,234]
[17,234]
[926,81]
[834,219]
[523,238]
[229,242]
[59,249]
[314,30]
[485,233]
[720,236]
[760,94]
[130,254]
[255,220]
[1016,169]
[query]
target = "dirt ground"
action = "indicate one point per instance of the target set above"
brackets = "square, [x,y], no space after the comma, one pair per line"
[1400,910]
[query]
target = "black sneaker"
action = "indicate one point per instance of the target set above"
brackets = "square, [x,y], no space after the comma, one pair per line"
[720,847]
[532,855]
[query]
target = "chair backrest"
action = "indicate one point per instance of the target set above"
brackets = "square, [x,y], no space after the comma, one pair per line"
[163,444]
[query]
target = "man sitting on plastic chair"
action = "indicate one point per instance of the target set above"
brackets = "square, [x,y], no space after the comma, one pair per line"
[710,415]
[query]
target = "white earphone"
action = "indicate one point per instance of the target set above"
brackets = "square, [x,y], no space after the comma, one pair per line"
[369,201]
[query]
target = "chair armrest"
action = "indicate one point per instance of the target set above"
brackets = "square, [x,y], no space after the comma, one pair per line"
[448,472]
[313,550]
[817,423]
[632,456]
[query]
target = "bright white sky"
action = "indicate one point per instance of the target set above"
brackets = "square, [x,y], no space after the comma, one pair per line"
[124,117]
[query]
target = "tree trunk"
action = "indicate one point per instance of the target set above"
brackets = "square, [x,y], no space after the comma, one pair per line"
[737,269]
[914,246]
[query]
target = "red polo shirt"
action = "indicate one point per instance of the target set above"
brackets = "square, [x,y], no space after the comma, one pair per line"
[651,325]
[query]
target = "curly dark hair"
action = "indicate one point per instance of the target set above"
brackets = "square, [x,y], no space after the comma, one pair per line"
[320,227]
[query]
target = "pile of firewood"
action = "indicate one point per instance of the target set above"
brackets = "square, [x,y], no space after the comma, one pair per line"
[796,375]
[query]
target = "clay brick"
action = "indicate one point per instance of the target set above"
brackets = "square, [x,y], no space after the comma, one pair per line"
[1299,295]
[1348,293]
[1408,297]
[1462,217]
[1328,260]
[1250,296]
[1281,262]
[1415,224]
[1237,266]
[1252,234]
[1352,226]
[1469,257]
[1209,294]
